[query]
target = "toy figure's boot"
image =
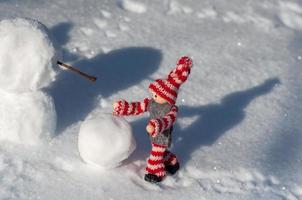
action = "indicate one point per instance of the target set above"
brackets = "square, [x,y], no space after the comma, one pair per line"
[153,178]
[172,169]
[171,162]
[155,165]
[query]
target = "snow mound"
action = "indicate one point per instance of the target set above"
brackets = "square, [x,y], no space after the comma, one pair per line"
[291,15]
[26,118]
[132,6]
[27,56]
[105,140]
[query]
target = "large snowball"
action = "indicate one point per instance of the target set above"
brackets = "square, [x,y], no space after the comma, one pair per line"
[105,140]
[27,56]
[26,118]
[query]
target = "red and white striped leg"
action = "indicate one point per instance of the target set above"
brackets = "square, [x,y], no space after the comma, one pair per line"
[155,163]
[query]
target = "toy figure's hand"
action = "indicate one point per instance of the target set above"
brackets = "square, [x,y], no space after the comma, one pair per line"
[117,107]
[150,129]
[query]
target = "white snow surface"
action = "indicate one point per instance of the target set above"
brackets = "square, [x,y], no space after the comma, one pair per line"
[27,118]
[238,132]
[27,56]
[132,6]
[105,140]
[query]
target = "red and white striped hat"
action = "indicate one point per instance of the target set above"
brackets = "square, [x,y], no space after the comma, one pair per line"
[168,88]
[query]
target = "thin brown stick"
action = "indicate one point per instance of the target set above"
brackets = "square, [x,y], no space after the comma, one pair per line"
[91,78]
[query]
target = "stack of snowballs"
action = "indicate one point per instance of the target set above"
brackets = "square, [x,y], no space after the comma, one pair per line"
[27,113]
[27,57]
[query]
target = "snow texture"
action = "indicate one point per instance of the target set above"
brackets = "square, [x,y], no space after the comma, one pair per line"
[291,15]
[105,140]
[27,56]
[132,6]
[238,131]
[27,118]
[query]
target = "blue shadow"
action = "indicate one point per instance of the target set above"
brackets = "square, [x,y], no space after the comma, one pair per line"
[75,97]
[61,33]
[216,119]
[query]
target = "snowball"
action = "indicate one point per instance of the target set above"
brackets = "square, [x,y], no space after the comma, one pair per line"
[27,56]
[105,140]
[26,118]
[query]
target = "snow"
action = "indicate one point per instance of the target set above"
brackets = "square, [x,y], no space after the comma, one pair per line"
[238,131]
[290,15]
[132,6]
[207,13]
[30,67]
[175,8]
[105,140]
[27,118]
[27,114]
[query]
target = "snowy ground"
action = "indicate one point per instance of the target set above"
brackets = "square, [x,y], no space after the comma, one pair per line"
[238,134]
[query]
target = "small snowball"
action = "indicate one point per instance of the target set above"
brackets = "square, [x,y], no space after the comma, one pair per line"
[105,140]
[26,118]
[27,56]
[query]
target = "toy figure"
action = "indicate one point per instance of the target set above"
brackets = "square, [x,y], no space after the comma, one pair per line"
[163,113]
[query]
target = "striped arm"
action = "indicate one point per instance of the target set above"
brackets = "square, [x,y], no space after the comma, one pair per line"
[161,124]
[131,108]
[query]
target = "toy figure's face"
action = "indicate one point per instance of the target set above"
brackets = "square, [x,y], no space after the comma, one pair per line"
[157,98]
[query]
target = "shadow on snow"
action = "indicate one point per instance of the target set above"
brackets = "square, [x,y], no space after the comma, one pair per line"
[213,121]
[75,97]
